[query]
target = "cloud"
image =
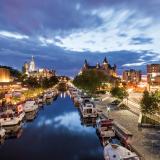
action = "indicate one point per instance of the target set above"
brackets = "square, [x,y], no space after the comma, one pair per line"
[120,30]
[141,40]
[13,35]
[56,32]
[66,120]
[134,64]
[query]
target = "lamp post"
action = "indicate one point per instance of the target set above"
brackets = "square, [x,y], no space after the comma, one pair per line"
[108,110]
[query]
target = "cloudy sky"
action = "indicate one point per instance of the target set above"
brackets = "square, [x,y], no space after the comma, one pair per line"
[62,33]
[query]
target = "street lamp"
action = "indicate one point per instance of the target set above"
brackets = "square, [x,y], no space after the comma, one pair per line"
[108,110]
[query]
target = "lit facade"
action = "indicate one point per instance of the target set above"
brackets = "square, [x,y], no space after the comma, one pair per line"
[30,70]
[132,76]
[32,65]
[105,67]
[42,73]
[29,67]
[4,75]
[153,74]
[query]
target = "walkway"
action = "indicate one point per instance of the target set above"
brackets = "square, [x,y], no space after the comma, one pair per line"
[146,141]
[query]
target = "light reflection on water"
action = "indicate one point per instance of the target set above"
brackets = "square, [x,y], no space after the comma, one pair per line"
[57,134]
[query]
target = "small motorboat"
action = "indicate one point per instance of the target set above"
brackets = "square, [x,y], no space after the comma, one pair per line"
[11,118]
[30,106]
[49,95]
[40,100]
[118,152]
[88,109]
[104,128]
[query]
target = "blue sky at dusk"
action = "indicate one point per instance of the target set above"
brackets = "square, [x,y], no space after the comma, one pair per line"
[62,33]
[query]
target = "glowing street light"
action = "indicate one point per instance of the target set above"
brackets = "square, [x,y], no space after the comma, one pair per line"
[108,110]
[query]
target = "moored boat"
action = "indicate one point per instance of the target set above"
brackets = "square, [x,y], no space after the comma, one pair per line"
[88,109]
[11,118]
[49,95]
[30,106]
[104,128]
[118,152]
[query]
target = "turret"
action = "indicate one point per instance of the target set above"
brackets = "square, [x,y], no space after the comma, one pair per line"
[32,66]
[105,61]
[85,64]
[25,68]
[115,67]
[97,65]
[105,64]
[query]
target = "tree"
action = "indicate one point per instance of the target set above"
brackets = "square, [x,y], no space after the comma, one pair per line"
[90,80]
[49,82]
[62,87]
[150,102]
[32,82]
[119,93]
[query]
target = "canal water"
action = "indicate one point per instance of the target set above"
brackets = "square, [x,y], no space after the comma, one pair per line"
[56,133]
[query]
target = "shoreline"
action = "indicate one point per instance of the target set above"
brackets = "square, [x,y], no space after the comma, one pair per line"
[129,120]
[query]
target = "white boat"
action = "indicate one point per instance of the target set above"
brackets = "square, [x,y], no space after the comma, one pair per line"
[118,152]
[40,100]
[74,93]
[88,109]
[30,106]
[85,99]
[10,118]
[54,93]
[2,133]
[49,95]
[104,128]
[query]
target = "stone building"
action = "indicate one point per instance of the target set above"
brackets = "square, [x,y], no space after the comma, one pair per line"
[153,74]
[132,76]
[105,67]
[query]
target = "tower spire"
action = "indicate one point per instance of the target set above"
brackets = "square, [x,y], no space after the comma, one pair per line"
[32,66]
[85,64]
[32,58]
[105,60]
[97,65]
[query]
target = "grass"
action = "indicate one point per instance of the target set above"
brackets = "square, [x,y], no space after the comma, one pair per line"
[148,120]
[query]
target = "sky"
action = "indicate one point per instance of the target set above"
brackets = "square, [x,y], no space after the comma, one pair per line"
[61,34]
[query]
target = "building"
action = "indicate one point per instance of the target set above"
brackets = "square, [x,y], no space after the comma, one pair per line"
[153,74]
[25,68]
[132,76]
[32,65]
[105,67]
[31,70]
[42,73]
[29,67]
[4,75]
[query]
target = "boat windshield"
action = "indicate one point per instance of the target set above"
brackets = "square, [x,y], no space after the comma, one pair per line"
[88,111]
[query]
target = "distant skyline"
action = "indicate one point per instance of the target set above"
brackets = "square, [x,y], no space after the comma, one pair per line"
[61,34]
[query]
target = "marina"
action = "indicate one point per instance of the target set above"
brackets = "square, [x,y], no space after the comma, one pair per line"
[57,131]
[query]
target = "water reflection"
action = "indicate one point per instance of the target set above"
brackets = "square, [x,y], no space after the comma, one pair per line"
[56,133]
[71,121]
[88,122]
[14,131]
[30,116]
